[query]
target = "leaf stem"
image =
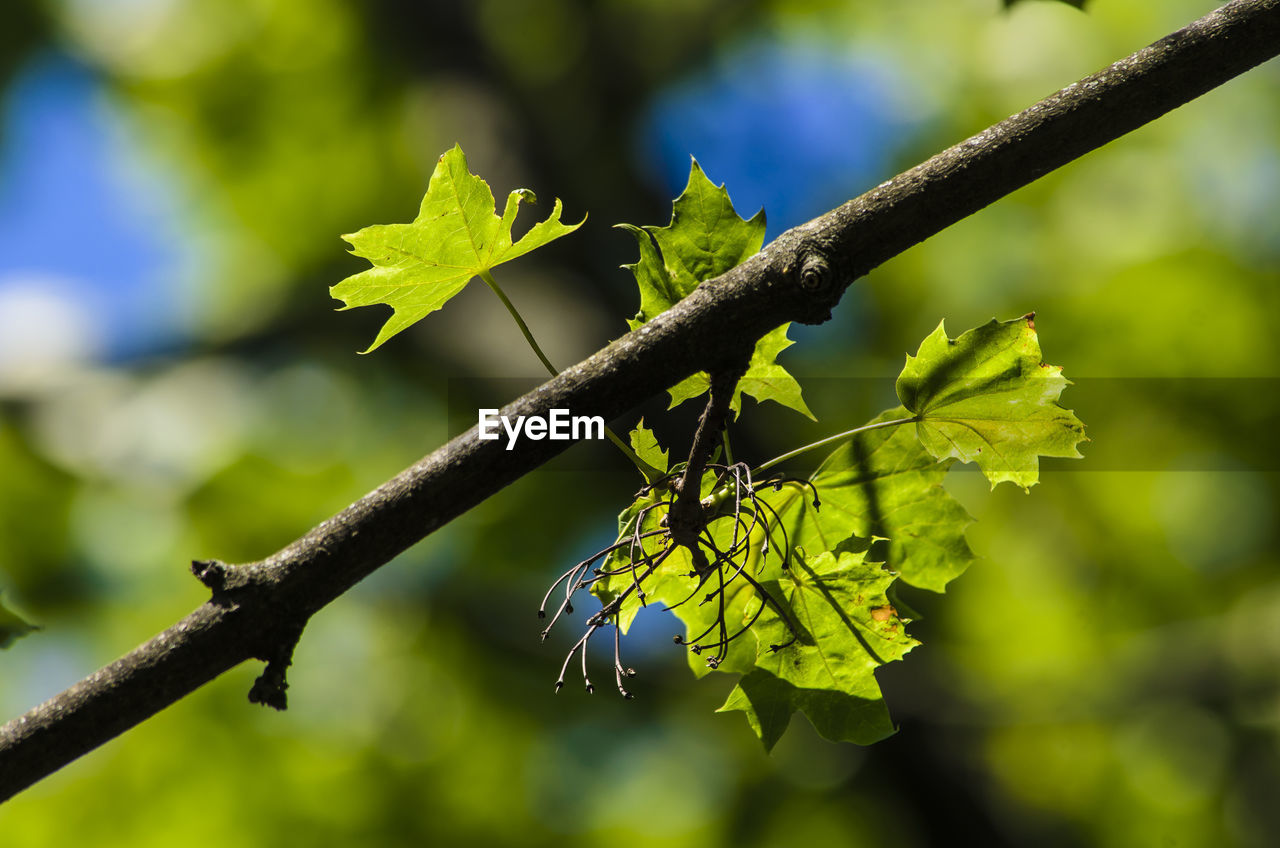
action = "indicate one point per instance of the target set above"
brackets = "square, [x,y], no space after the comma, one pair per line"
[650,473]
[487,276]
[830,439]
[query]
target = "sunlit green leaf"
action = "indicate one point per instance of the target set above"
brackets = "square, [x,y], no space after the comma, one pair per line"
[764,379]
[883,483]
[705,238]
[457,236]
[844,628]
[988,397]
[769,703]
[647,448]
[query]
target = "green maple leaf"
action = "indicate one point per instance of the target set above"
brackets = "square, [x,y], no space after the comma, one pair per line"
[646,447]
[769,704]
[988,397]
[705,238]
[845,628]
[456,237]
[764,379]
[12,626]
[883,483]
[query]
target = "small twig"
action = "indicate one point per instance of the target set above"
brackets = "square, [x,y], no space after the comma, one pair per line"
[686,518]
[618,671]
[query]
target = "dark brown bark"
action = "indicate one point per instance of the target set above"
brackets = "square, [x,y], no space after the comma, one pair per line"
[257,610]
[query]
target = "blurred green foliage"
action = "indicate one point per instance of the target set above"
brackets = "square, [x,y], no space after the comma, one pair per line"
[1105,676]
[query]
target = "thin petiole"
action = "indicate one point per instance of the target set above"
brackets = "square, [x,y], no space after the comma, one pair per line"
[647,470]
[831,439]
[515,314]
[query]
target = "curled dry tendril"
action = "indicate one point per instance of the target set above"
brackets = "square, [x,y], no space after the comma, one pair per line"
[638,554]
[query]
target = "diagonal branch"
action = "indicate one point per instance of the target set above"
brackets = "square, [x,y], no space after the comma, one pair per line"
[258,609]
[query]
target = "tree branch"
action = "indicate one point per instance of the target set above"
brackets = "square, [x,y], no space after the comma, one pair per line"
[257,610]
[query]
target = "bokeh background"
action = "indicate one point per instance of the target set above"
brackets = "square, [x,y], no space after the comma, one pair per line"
[174,384]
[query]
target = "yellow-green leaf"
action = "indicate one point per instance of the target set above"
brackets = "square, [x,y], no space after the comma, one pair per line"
[705,238]
[882,483]
[646,447]
[457,236]
[840,627]
[988,397]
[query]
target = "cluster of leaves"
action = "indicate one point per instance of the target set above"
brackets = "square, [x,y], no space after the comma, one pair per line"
[790,559]
[777,582]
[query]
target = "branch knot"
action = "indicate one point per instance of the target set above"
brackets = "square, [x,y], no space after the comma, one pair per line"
[815,275]
[820,277]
